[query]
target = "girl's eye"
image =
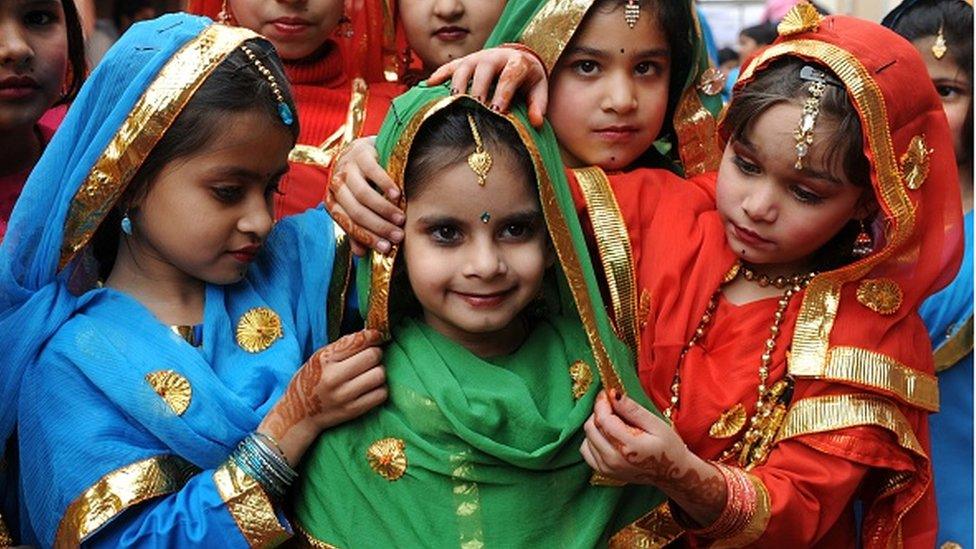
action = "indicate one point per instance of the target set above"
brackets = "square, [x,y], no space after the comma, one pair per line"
[39,18]
[947,92]
[805,196]
[644,69]
[585,67]
[745,166]
[516,231]
[228,193]
[445,234]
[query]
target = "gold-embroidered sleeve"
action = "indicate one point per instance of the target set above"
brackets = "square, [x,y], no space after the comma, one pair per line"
[250,507]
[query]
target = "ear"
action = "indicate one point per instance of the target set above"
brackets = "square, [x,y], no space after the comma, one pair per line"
[867,206]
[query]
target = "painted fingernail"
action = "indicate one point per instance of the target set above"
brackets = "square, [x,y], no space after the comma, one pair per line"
[615,394]
[495,108]
[396,235]
[454,91]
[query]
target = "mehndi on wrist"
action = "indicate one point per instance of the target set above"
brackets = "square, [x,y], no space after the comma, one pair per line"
[740,507]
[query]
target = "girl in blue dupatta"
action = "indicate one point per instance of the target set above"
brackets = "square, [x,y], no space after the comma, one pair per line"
[942,32]
[163,407]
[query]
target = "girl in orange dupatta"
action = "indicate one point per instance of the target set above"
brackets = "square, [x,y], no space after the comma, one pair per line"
[777,309]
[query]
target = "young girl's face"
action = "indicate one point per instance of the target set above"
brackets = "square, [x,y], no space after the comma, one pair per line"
[206,216]
[33,59]
[441,30]
[609,90]
[953,86]
[475,255]
[773,213]
[297,28]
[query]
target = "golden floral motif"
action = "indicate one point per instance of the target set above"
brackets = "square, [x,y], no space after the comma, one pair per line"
[582,378]
[258,329]
[801,18]
[173,388]
[729,423]
[950,545]
[387,457]
[915,162]
[711,81]
[881,295]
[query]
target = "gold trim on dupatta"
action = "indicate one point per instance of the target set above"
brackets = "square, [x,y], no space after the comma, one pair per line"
[338,286]
[382,265]
[119,490]
[615,253]
[954,347]
[833,412]
[249,506]
[654,530]
[323,155]
[552,28]
[149,119]
[811,338]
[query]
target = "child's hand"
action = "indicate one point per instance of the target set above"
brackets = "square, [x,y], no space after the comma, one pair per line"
[341,381]
[369,218]
[629,443]
[515,69]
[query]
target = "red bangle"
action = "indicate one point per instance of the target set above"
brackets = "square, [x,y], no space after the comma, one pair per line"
[740,506]
[528,50]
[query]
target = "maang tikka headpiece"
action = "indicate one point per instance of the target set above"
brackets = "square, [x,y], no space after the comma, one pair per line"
[284,111]
[811,110]
[480,160]
[632,12]
[939,48]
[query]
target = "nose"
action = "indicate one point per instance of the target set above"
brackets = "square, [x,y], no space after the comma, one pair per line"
[257,217]
[15,52]
[484,260]
[620,94]
[448,9]
[759,203]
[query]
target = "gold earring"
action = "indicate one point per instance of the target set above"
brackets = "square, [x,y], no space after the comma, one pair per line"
[863,243]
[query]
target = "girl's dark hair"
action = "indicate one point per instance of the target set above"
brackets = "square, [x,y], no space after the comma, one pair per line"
[446,139]
[955,18]
[763,33]
[780,83]
[78,67]
[234,86]
[677,22]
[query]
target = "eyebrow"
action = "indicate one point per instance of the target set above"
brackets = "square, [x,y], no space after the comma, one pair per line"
[806,171]
[243,174]
[526,216]
[602,54]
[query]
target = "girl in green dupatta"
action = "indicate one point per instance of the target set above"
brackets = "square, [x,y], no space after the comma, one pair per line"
[499,344]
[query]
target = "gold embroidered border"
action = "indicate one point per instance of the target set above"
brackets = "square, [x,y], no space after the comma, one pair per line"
[119,490]
[654,530]
[306,539]
[829,413]
[338,286]
[378,317]
[819,308]
[250,507]
[615,252]
[695,127]
[876,370]
[149,119]
[5,539]
[757,525]
[957,346]
[553,27]
[324,154]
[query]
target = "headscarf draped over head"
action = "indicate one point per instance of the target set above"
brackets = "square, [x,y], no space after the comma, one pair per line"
[481,442]
[858,324]
[548,26]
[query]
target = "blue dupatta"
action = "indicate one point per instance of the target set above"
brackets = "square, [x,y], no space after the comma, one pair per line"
[115,410]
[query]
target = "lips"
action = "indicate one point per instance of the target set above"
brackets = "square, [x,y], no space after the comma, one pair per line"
[451,33]
[246,254]
[288,26]
[18,87]
[749,237]
[619,132]
[485,300]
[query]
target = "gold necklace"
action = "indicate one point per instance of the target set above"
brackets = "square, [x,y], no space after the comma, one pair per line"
[799,283]
[780,282]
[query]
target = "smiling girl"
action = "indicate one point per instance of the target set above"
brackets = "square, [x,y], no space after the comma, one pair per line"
[42,64]
[164,318]
[498,346]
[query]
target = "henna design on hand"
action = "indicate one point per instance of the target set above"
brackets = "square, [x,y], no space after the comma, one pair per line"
[661,471]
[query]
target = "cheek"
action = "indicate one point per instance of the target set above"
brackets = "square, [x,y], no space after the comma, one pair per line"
[52,60]
[246,12]
[654,104]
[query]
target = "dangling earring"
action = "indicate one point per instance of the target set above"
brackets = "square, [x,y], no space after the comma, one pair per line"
[223,16]
[863,243]
[344,28]
[126,223]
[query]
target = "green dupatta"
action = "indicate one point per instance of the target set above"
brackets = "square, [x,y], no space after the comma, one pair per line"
[548,26]
[475,452]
